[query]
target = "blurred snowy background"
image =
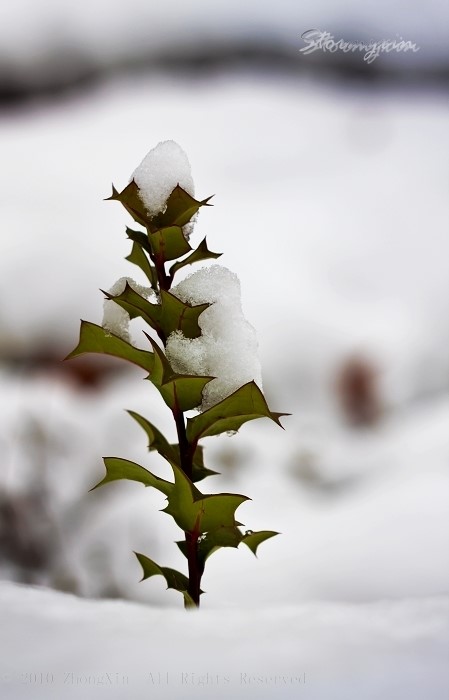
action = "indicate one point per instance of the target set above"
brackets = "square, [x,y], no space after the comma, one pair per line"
[331,204]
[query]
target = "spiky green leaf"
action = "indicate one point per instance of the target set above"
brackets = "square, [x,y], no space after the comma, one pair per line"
[183,392]
[117,468]
[201,253]
[136,305]
[96,339]
[178,316]
[139,258]
[254,539]
[174,579]
[140,238]
[245,404]
[197,512]
[227,537]
[130,199]
[215,540]
[200,471]
[156,440]
[169,243]
[170,315]
[180,392]
[170,452]
[181,206]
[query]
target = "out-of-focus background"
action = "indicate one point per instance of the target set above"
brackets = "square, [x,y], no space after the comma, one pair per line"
[330,177]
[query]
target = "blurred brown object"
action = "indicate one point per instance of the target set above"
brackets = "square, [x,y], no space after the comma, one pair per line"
[357,388]
[82,373]
[26,535]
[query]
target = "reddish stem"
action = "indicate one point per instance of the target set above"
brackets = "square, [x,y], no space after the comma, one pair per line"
[186,458]
[186,452]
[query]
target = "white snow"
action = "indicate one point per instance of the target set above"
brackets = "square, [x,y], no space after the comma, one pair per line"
[55,646]
[164,167]
[115,318]
[341,194]
[344,238]
[227,346]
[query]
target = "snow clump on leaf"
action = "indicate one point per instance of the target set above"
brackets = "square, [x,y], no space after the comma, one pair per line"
[164,167]
[227,348]
[115,319]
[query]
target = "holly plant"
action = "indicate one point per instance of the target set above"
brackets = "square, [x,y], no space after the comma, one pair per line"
[207,520]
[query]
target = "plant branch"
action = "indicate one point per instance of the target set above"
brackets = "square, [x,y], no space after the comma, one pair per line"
[163,278]
[185,453]
[186,458]
[186,461]
[194,569]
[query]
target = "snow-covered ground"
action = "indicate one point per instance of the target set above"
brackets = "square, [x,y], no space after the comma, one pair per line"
[62,647]
[331,206]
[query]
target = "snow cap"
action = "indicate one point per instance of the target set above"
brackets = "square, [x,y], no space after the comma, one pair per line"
[164,167]
[227,346]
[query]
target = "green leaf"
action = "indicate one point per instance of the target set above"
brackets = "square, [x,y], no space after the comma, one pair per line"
[217,511]
[183,392]
[204,550]
[215,540]
[117,468]
[170,315]
[96,339]
[227,537]
[245,404]
[181,206]
[201,253]
[170,452]
[130,199]
[162,370]
[198,513]
[178,316]
[180,392]
[138,257]
[156,440]
[200,471]
[254,539]
[181,506]
[174,579]
[168,243]
[136,305]
[140,238]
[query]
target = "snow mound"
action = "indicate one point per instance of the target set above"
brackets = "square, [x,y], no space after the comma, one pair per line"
[58,646]
[227,347]
[164,167]
[115,319]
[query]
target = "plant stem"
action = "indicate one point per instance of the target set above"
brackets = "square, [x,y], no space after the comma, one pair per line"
[164,280]
[194,571]
[185,452]
[186,457]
